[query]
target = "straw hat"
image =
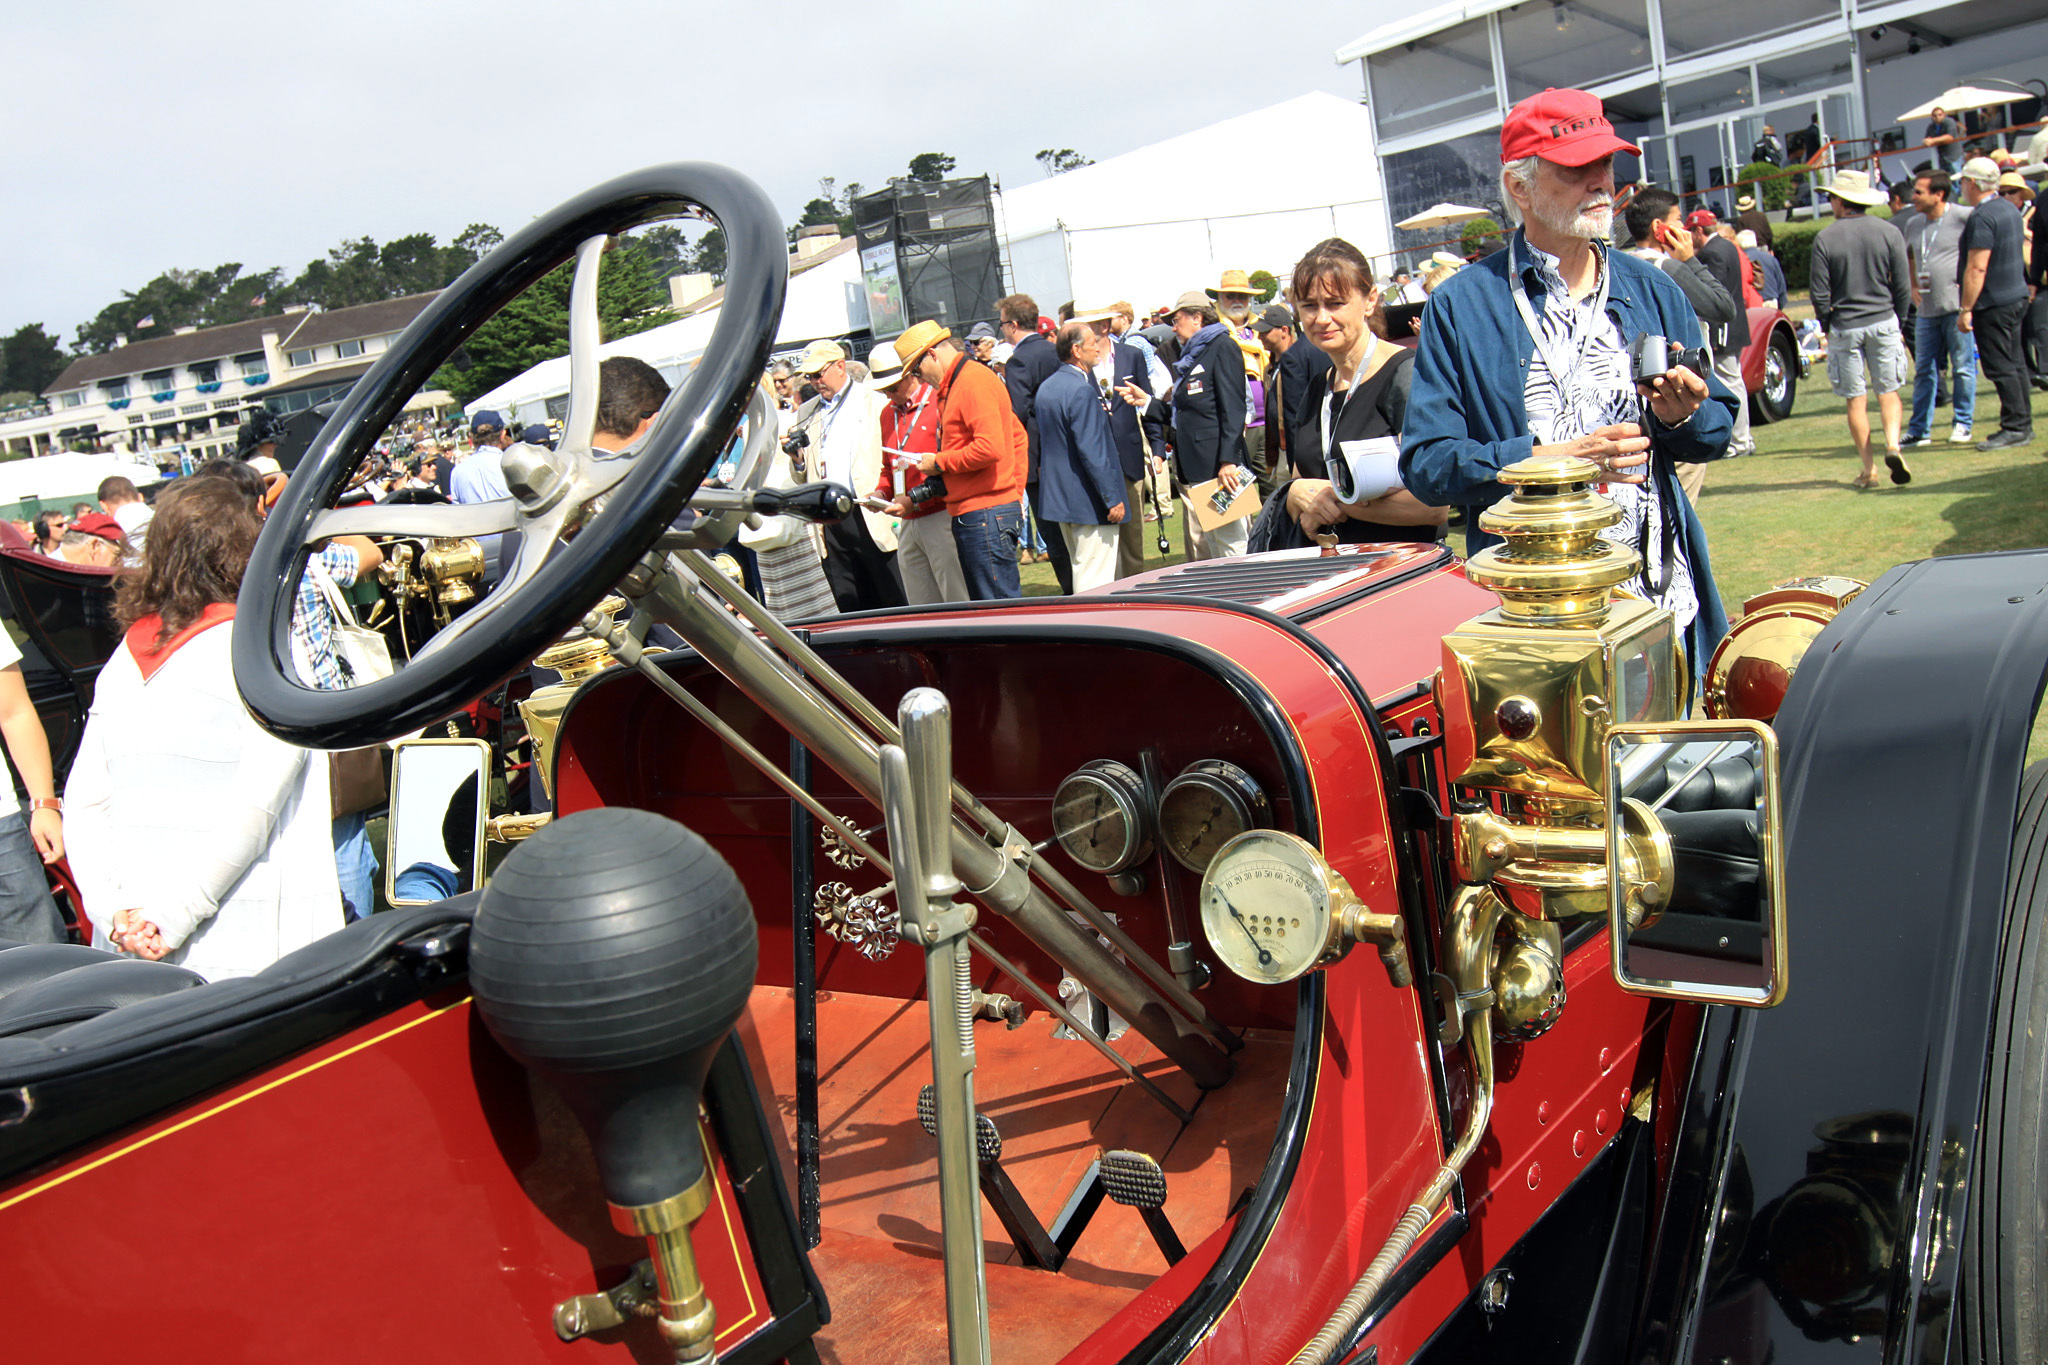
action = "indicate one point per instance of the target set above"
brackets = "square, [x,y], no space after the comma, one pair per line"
[1446,258]
[1745,203]
[819,355]
[911,346]
[1853,187]
[2013,180]
[1234,282]
[885,369]
[1094,312]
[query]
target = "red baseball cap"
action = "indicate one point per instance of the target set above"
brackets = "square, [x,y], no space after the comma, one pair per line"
[1564,126]
[1701,220]
[99,524]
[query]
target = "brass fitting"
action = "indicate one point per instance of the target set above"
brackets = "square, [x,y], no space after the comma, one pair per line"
[1554,569]
[687,1319]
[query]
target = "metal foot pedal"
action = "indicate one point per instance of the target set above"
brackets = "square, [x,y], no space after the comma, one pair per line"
[1027,1234]
[1135,1181]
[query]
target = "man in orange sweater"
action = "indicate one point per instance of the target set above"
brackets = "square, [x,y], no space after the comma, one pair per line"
[982,457]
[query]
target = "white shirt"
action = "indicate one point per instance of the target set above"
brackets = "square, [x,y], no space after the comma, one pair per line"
[10,653]
[134,519]
[1601,392]
[218,832]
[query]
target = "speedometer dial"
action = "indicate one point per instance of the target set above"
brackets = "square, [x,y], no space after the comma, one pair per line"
[1207,806]
[1268,907]
[1100,815]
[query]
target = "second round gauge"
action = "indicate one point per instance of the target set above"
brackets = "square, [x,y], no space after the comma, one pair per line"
[1101,816]
[1208,805]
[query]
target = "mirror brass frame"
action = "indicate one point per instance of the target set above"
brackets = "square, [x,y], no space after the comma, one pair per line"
[483,804]
[1770,851]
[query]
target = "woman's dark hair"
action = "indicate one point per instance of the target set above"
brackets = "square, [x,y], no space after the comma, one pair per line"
[237,472]
[199,546]
[1333,262]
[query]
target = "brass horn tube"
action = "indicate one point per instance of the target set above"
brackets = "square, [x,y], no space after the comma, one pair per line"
[829,679]
[747,662]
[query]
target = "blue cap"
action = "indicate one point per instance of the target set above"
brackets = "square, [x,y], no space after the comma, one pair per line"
[536,435]
[486,420]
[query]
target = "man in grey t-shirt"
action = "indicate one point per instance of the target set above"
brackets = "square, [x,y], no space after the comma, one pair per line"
[1994,296]
[1860,285]
[1933,240]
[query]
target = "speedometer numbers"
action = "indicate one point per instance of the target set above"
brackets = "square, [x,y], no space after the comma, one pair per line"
[1274,910]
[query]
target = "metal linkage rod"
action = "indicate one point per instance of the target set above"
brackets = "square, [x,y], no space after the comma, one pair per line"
[677,596]
[628,653]
[822,674]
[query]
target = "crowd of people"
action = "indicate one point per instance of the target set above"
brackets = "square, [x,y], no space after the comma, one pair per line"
[1258,427]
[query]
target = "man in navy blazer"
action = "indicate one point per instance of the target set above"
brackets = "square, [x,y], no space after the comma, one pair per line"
[1137,422]
[1031,363]
[1081,483]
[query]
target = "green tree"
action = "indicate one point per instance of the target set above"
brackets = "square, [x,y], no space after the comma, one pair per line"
[931,167]
[1773,188]
[1266,285]
[30,359]
[1061,161]
[631,297]
[1478,236]
[478,239]
[709,256]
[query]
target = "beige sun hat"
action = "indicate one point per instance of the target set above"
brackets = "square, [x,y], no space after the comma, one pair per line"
[1853,187]
[1233,282]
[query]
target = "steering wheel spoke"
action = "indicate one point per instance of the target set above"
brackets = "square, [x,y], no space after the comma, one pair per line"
[427,521]
[551,577]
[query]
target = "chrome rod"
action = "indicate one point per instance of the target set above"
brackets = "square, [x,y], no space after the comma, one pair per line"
[915,782]
[629,653]
[1059,1011]
[821,674]
[676,595]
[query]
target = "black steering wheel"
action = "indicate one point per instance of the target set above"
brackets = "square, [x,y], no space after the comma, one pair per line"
[551,579]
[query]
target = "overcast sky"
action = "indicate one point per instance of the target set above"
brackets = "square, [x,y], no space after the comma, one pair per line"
[150,136]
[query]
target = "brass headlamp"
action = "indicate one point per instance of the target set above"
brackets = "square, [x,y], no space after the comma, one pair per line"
[1528,690]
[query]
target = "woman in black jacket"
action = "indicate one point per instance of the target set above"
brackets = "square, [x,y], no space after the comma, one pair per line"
[1364,397]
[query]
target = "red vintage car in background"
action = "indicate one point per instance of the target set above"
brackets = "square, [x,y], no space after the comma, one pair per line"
[1331,957]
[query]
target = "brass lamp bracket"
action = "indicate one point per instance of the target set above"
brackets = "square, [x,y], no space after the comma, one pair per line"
[637,1296]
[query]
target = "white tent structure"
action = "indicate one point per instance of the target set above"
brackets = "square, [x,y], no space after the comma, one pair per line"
[1249,193]
[824,300]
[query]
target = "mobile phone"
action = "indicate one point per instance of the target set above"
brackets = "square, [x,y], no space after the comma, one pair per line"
[874,504]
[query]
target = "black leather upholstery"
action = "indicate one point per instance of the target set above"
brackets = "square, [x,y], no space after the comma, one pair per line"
[85,991]
[25,964]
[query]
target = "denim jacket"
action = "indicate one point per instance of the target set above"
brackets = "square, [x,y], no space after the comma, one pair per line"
[1466,419]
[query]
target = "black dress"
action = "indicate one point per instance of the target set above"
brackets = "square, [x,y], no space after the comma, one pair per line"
[1376,409]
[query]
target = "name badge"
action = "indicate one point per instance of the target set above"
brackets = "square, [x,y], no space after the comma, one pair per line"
[1194,387]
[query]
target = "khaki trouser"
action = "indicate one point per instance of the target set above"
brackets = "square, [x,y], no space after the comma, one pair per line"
[929,561]
[1093,551]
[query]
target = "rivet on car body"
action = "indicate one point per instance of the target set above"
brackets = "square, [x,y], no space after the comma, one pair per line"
[1606,1058]
[1543,1112]
[1600,1124]
[1579,1143]
[1535,1174]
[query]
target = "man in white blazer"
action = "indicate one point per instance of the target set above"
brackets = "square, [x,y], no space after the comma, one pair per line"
[842,428]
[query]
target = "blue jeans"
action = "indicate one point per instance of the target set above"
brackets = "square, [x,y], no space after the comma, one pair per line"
[1031,535]
[355,862]
[27,914]
[1935,338]
[987,541]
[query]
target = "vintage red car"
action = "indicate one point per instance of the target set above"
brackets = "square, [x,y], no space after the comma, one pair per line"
[1330,957]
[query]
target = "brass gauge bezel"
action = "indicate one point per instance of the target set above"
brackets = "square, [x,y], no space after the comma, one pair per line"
[1237,789]
[1308,935]
[1126,790]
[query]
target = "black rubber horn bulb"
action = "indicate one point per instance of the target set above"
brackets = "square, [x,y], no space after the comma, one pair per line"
[612,954]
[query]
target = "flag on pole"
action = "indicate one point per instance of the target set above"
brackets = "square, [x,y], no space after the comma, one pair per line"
[147,321]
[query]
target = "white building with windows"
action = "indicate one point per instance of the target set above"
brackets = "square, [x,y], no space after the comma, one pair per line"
[192,387]
[1693,84]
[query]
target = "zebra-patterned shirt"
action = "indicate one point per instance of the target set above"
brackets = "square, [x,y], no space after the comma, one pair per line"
[1599,393]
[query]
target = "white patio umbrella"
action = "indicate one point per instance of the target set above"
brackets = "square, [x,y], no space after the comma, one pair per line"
[1441,216]
[1965,97]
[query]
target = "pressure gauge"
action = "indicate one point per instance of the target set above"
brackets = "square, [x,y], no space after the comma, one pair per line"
[1209,804]
[1102,816]
[1271,907]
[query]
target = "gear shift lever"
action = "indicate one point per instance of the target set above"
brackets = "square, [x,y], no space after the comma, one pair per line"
[612,954]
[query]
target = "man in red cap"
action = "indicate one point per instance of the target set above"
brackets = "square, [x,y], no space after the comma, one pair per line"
[1526,353]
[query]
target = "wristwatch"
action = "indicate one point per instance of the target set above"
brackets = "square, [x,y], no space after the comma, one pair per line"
[55,803]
